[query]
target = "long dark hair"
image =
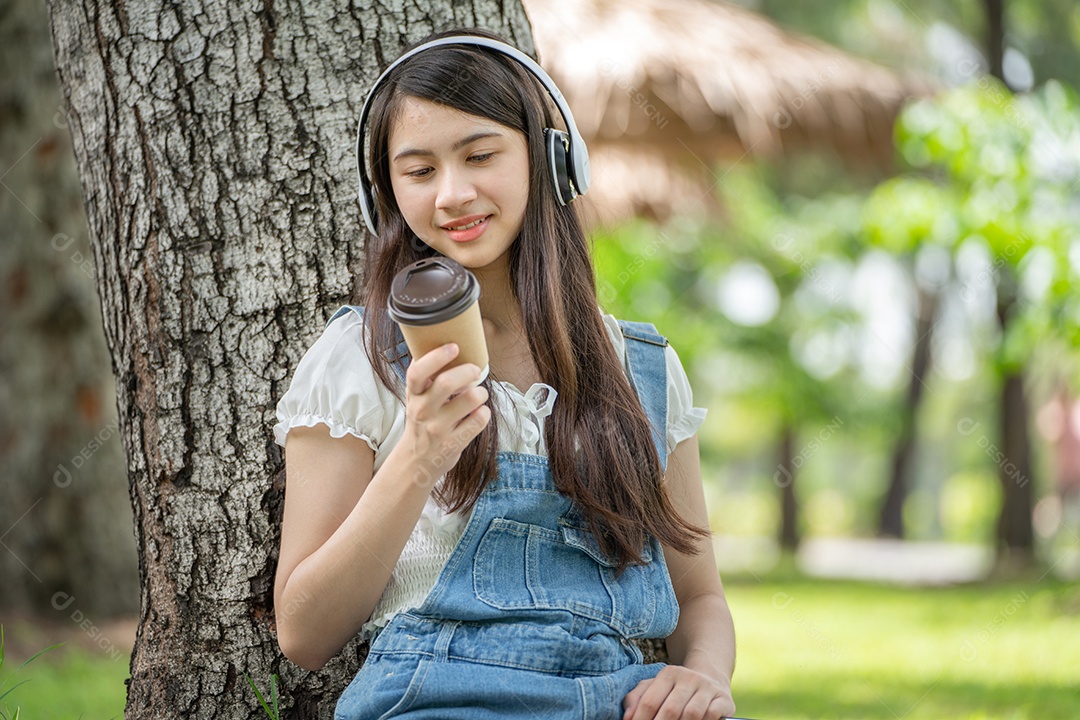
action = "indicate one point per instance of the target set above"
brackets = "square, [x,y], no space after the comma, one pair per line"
[615,478]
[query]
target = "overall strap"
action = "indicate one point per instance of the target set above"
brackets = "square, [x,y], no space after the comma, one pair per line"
[398,356]
[646,364]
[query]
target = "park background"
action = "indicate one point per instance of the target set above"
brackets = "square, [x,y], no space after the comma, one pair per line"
[857,226]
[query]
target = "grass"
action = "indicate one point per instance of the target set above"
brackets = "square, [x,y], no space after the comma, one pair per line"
[808,649]
[828,649]
[66,683]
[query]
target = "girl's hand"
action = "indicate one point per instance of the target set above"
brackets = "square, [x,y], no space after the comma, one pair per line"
[443,411]
[679,692]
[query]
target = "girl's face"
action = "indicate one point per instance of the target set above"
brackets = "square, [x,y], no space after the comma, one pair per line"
[461,181]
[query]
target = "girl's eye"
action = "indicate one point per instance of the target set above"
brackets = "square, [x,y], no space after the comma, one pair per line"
[481,157]
[422,172]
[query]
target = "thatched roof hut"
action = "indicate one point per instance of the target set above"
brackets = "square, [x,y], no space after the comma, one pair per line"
[666,90]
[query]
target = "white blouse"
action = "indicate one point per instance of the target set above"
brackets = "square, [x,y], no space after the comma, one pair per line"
[335,385]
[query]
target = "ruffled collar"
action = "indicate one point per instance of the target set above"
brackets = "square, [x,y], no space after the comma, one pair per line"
[531,407]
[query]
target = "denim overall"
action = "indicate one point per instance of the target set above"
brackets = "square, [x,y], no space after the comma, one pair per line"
[527,618]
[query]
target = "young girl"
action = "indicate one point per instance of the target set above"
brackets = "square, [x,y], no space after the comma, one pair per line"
[500,545]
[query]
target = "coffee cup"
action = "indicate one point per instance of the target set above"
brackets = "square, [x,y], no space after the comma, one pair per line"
[436,301]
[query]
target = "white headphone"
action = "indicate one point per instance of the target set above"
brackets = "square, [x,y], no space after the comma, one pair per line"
[568,159]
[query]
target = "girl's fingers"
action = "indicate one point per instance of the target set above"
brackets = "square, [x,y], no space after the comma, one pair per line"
[422,370]
[678,692]
[466,402]
[441,389]
[477,420]
[448,384]
[698,705]
[648,697]
[444,409]
[720,708]
[632,698]
[673,700]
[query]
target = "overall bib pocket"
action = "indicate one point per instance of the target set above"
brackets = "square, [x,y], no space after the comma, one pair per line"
[519,566]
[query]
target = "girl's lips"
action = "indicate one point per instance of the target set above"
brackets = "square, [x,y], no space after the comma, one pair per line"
[470,231]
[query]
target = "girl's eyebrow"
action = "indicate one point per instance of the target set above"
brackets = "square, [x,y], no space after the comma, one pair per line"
[412,152]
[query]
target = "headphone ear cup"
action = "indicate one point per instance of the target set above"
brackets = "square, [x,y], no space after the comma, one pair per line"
[369,206]
[558,150]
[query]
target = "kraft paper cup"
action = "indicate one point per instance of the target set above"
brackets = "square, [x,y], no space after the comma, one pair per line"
[437,301]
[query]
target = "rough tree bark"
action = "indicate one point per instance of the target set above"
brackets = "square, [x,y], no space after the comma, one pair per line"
[214,142]
[66,541]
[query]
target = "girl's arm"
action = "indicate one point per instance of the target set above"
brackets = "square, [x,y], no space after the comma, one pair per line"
[341,535]
[343,529]
[697,683]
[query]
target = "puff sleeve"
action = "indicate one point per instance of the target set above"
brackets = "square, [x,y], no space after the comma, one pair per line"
[335,385]
[683,419]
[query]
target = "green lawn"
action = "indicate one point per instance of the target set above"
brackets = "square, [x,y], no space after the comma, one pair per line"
[65,683]
[808,649]
[816,649]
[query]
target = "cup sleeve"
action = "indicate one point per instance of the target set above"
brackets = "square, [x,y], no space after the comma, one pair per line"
[683,419]
[335,385]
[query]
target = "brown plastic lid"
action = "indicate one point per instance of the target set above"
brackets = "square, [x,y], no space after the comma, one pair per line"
[431,291]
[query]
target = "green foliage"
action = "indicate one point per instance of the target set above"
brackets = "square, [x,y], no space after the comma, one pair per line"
[988,173]
[672,275]
[797,241]
[987,145]
[968,506]
[899,35]
[1000,172]
[903,213]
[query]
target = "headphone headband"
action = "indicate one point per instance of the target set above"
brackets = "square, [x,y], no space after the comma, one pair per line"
[577,171]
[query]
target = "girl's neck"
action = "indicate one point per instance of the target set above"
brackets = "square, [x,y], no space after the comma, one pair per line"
[498,305]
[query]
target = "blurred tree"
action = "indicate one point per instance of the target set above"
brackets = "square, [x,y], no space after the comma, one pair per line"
[995,38]
[754,287]
[1015,531]
[1044,39]
[790,246]
[65,523]
[898,228]
[999,178]
[904,218]
[215,144]
[940,37]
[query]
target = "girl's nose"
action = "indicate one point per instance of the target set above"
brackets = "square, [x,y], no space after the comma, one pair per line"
[455,191]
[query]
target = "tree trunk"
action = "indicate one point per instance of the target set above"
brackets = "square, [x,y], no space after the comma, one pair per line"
[1015,534]
[216,151]
[65,526]
[785,480]
[891,519]
[995,37]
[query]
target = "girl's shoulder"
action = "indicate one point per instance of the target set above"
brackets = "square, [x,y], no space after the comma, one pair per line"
[344,343]
[341,342]
[335,383]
